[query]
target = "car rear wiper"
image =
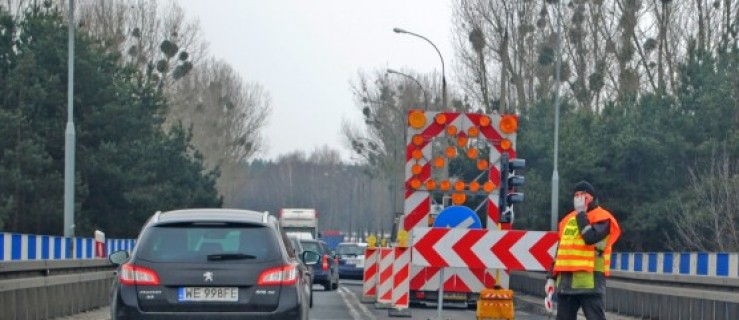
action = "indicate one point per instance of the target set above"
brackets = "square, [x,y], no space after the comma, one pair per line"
[230,256]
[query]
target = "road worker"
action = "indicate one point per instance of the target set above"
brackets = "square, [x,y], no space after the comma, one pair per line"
[583,260]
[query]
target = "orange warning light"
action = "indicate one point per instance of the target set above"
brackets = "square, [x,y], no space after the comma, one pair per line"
[508,124]
[430,185]
[439,162]
[484,121]
[488,186]
[417,119]
[417,154]
[459,185]
[440,118]
[450,152]
[472,153]
[505,144]
[416,169]
[473,132]
[415,184]
[417,140]
[482,164]
[451,130]
[459,198]
[462,142]
[474,186]
[445,185]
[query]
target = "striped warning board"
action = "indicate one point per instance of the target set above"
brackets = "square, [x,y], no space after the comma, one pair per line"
[401,278]
[369,280]
[385,277]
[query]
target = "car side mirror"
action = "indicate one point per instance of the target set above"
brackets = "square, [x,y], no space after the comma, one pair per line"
[311,258]
[119,257]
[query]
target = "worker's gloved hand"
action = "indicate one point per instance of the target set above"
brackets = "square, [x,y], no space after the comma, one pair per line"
[549,287]
[580,203]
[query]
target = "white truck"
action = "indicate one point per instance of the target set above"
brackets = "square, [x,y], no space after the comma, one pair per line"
[300,223]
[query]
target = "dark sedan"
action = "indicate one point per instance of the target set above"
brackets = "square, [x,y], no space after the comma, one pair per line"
[326,272]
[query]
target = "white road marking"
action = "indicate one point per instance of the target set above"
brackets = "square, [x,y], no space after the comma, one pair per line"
[352,309]
[350,299]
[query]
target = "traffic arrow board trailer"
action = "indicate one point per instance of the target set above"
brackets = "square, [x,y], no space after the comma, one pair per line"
[479,248]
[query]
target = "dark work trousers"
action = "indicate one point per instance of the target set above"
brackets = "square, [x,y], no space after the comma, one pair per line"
[592,306]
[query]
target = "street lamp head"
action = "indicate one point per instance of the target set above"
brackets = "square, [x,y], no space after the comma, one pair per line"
[392,71]
[399,30]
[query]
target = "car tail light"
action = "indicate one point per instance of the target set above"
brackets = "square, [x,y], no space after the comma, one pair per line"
[325,262]
[132,274]
[284,275]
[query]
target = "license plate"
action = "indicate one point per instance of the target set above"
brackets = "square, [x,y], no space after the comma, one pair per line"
[455,296]
[357,262]
[208,294]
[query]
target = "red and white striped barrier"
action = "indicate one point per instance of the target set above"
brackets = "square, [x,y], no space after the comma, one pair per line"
[369,281]
[385,280]
[401,278]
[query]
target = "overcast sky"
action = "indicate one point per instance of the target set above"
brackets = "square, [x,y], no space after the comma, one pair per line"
[305,53]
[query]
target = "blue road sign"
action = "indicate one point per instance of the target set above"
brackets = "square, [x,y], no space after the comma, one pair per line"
[457,217]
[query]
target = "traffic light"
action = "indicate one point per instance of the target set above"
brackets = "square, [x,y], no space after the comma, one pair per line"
[508,182]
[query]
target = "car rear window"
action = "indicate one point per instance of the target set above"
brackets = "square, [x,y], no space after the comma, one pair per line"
[194,242]
[350,249]
[312,246]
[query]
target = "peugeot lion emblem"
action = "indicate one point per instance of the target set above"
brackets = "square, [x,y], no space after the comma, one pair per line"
[208,276]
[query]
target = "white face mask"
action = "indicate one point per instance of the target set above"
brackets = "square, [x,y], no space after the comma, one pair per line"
[580,203]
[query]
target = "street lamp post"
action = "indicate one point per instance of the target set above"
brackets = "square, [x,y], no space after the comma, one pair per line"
[425,98]
[555,173]
[443,73]
[69,135]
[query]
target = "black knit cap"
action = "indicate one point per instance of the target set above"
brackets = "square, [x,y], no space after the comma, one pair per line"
[587,187]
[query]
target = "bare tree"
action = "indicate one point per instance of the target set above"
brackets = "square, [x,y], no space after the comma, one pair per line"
[709,219]
[611,48]
[227,116]
[155,37]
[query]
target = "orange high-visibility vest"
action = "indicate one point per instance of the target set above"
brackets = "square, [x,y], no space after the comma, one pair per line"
[574,255]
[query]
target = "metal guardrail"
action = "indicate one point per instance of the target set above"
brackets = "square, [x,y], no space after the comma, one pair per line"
[53,288]
[713,264]
[655,296]
[22,247]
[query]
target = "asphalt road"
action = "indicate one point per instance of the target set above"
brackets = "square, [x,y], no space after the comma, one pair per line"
[345,304]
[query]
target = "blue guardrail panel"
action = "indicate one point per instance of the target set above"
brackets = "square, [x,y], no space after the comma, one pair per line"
[667,263]
[685,263]
[31,247]
[625,261]
[722,264]
[45,247]
[15,246]
[652,262]
[638,262]
[702,268]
